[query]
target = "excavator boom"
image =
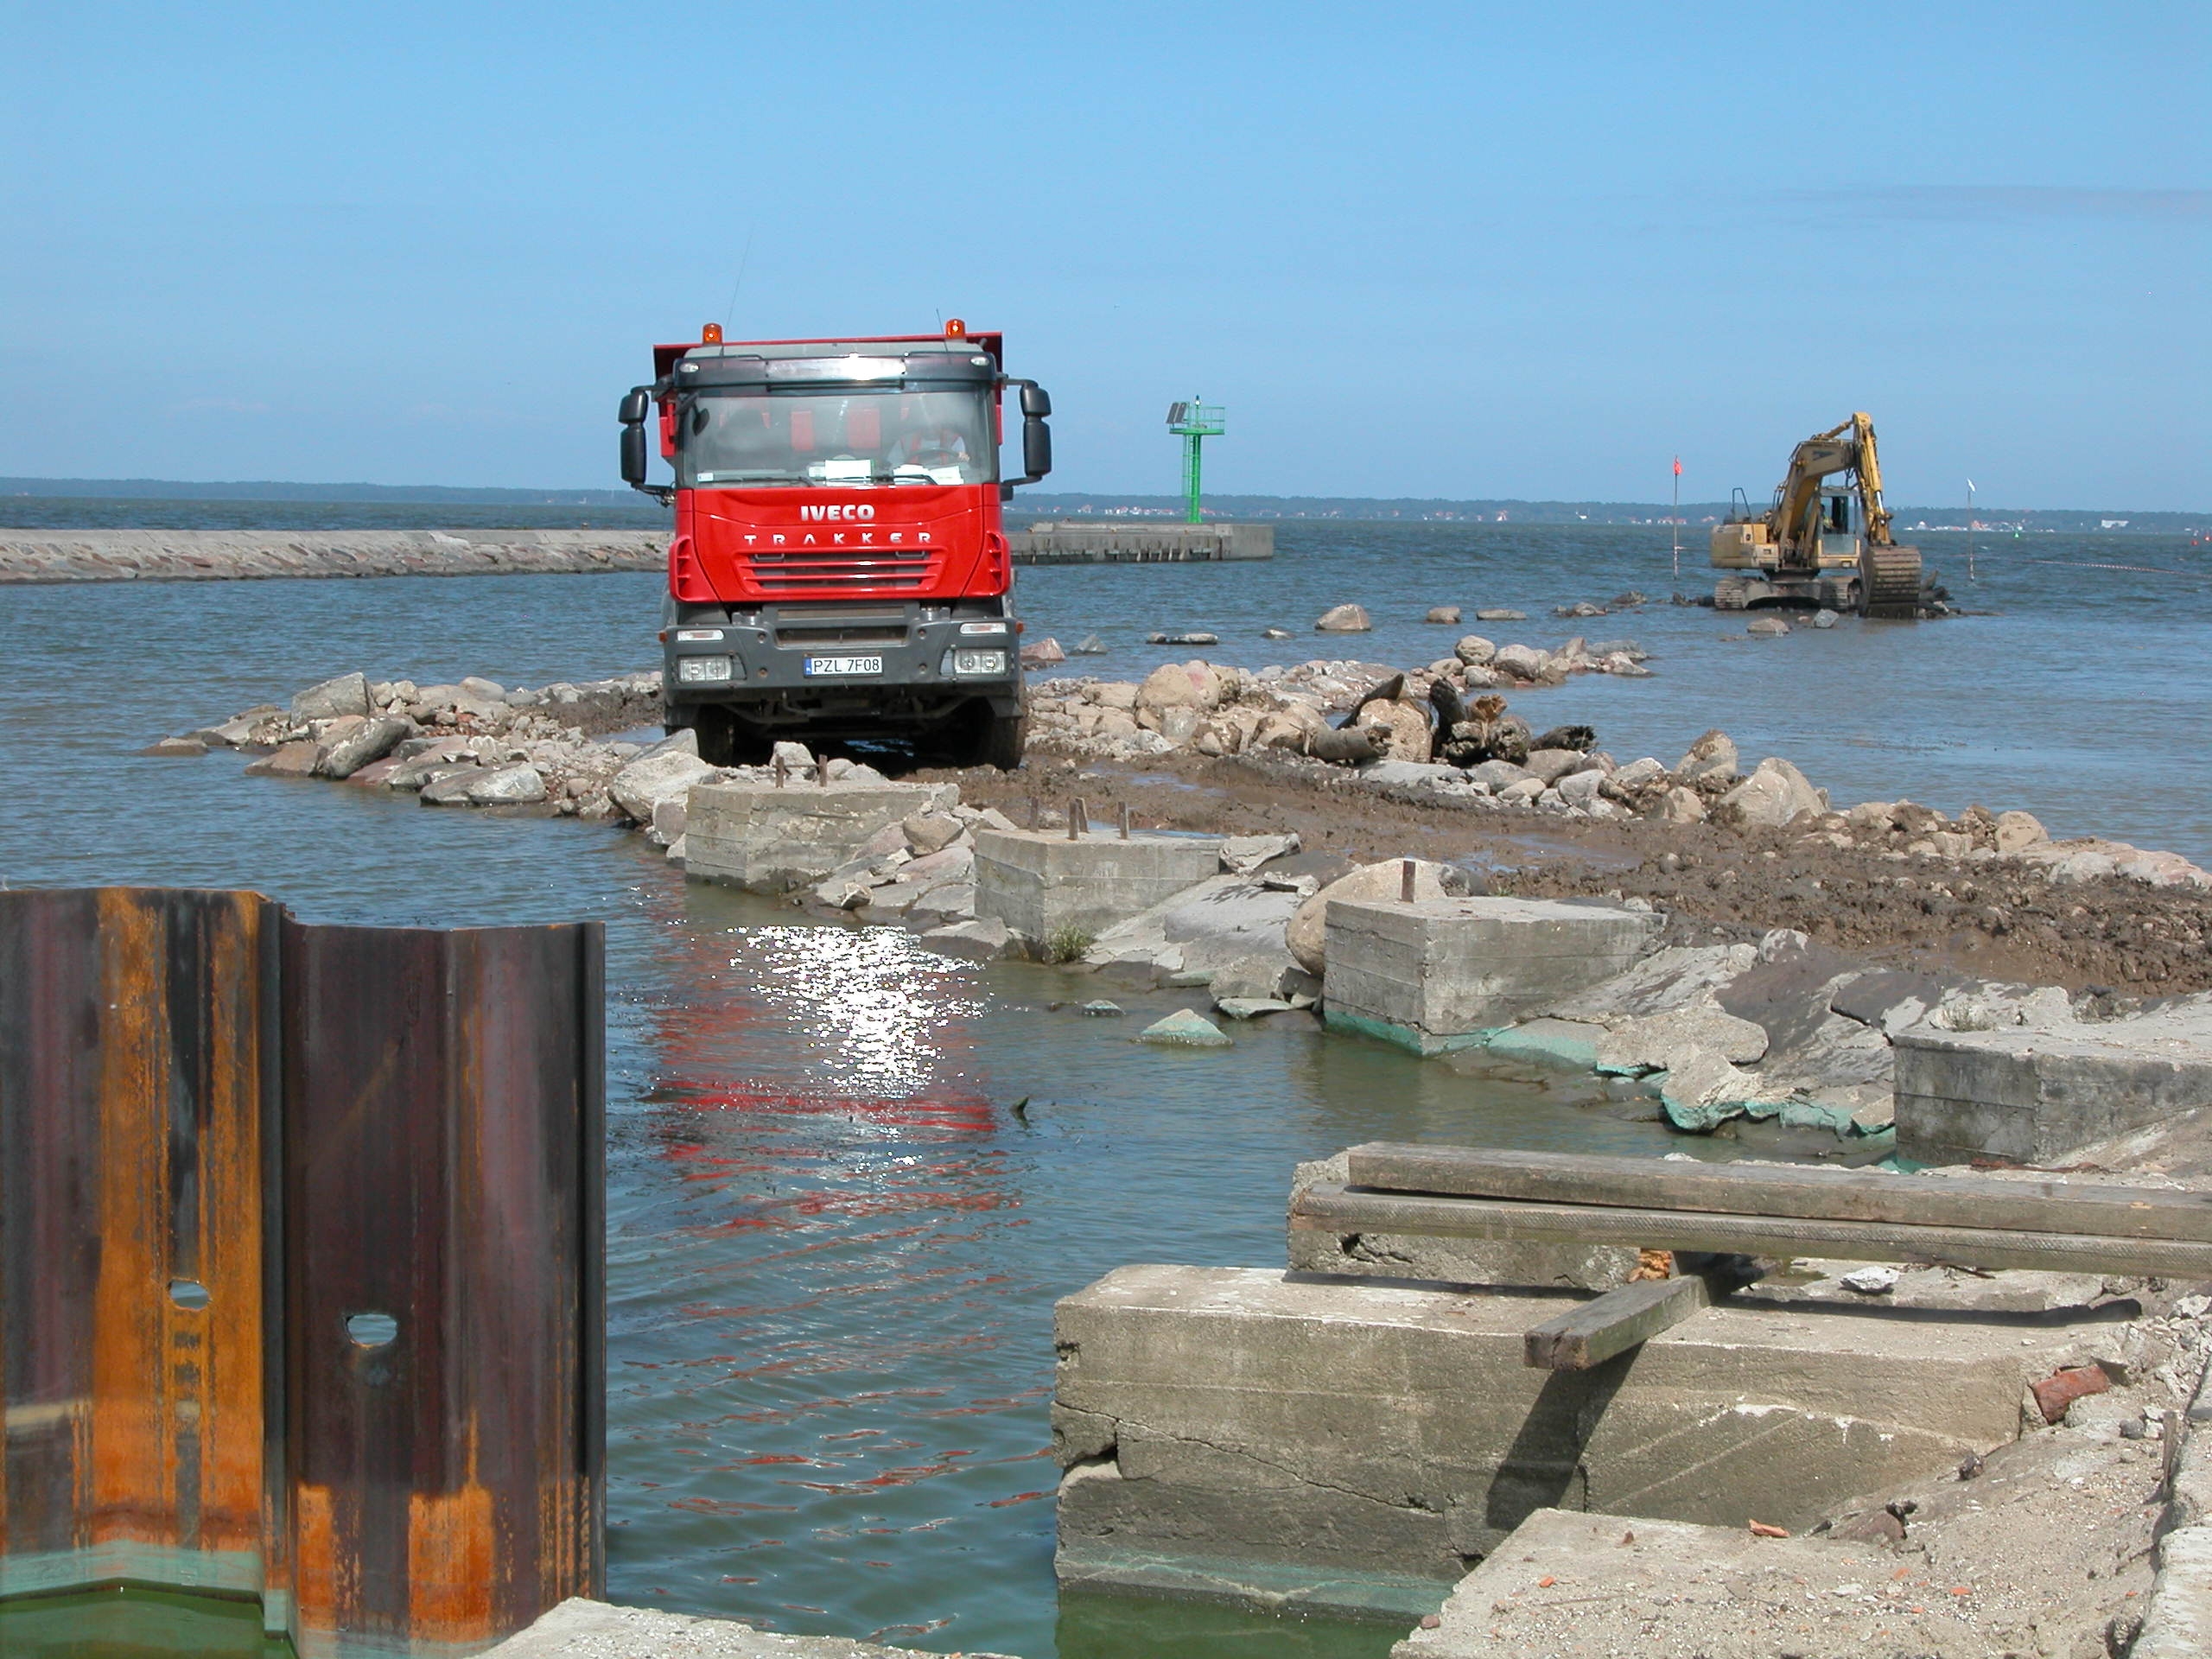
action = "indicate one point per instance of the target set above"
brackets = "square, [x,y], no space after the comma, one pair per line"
[1785,549]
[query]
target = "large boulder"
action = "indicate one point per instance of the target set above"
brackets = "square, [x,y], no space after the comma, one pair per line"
[346,695]
[518,786]
[1343,618]
[1474,650]
[1309,924]
[1192,685]
[1775,793]
[2017,831]
[1710,762]
[1403,727]
[661,773]
[1522,662]
[1661,1041]
[346,753]
[1446,614]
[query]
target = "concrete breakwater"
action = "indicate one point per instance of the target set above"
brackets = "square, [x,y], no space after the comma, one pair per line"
[1138,542]
[47,556]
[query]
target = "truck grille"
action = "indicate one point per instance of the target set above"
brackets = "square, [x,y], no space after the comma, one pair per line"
[876,570]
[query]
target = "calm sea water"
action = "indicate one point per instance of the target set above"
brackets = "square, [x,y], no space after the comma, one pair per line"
[833,1248]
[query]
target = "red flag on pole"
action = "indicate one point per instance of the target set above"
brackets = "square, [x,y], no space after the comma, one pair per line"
[1678,466]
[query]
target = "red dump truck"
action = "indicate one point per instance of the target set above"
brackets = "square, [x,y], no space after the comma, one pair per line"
[839,567]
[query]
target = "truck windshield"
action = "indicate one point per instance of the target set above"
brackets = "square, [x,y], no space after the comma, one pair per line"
[756,438]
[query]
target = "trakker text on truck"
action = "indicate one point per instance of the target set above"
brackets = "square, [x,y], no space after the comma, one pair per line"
[839,566]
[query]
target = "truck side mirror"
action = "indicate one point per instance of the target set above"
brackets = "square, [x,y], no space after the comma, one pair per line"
[1036,443]
[636,403]
[633,452]
[1035,400]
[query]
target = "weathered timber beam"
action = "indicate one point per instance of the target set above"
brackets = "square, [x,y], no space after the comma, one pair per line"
[1778,1191]
[1342,1209]
[1613,1324]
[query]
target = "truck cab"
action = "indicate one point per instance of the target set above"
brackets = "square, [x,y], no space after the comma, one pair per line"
[839,564]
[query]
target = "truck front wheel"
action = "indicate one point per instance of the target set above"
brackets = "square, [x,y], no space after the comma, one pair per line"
[726,740]
[998,741]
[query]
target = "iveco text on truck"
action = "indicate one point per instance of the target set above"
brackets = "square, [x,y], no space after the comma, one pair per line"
[839,567]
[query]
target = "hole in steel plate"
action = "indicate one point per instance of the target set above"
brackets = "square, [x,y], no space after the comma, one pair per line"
[372,1329]
[188,1294]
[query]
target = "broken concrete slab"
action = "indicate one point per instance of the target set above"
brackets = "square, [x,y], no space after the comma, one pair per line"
[580,1628]
[1349,1426]
[1568,1585]
[1548,1041]
[1041,884]
[1443,973]
[2034,1097]
[752,834]
[1672,978]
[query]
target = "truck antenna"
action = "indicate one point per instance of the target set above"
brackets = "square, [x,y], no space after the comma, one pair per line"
[744,259]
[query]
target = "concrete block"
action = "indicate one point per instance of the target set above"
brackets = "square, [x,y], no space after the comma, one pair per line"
[755,835]
[1442,974]
[1039,882]
[1354,1427]
[2034,1096]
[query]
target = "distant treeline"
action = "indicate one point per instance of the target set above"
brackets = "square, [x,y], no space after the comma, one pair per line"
[1064,506]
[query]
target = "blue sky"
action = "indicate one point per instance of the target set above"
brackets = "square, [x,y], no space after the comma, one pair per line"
[1434,250]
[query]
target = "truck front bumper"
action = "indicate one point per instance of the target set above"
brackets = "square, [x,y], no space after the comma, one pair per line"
[897,666]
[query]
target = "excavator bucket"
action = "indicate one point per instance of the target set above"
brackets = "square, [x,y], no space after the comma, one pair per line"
[1888,581]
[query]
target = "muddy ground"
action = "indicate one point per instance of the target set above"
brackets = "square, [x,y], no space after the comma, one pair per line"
[1999,919]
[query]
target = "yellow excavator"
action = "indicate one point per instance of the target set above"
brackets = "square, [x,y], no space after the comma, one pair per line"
[1807,549]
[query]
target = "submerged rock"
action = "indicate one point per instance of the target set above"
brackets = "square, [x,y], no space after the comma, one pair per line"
[1185,1028]
[1343,619]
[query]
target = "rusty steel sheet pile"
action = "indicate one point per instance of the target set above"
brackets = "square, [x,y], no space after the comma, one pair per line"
[301,1263]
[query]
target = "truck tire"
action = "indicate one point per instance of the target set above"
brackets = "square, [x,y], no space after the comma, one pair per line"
[999,741]
[726,740]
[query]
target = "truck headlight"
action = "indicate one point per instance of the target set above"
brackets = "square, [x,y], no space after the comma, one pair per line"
[968,662]
[702,670]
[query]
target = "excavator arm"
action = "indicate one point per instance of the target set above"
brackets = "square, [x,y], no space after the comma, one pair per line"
[1870,483]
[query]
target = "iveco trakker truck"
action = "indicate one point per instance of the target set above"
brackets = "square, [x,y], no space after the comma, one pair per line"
[839,567]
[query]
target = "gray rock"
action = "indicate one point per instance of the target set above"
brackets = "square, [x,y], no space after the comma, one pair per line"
[1185,1028]
[1710,760]
[1552,765]
[941,905]
[176,746]
[1523,793]
[1824,619]
[1341,618]
[288,760]
[1249,1007]
[1264,975]
[1275,633]
[662,774]
[1501,615]
[1499,774]
[1775,793]
[1768,627]
[371,741]
[1522,662]
[1680,805]
[1242,855]
[978,941]
[1474,650]
[518,786]
[1442,613]
[796,757]
[1581,788]
[1100,1008]
[346,695]
[1655,1042]
[930,832]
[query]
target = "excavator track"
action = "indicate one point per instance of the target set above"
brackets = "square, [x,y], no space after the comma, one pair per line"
[1889,584]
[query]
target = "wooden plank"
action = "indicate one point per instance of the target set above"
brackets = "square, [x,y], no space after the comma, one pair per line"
[1349,1209]
[1613,1324]
[1776,1190]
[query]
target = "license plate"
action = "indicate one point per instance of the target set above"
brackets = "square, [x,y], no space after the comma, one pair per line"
[844,665]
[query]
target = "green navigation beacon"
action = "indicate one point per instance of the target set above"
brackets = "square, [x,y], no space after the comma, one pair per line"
[1194,422]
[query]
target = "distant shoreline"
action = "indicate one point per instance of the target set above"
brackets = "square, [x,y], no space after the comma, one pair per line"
[40,496]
